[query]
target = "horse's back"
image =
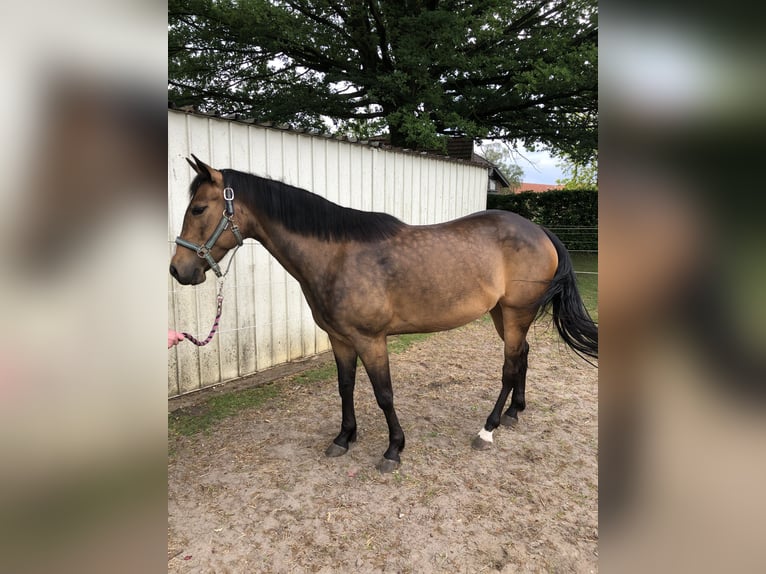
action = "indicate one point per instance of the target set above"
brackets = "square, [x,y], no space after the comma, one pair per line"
[506,237]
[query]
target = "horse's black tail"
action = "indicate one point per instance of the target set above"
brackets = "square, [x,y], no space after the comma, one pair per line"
[570,316]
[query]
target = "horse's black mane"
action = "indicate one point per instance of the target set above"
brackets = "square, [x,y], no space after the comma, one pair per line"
[306,213]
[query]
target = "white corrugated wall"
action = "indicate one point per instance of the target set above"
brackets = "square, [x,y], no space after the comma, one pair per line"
[265,319]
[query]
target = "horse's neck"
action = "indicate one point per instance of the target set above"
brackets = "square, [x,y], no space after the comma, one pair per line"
[305,258]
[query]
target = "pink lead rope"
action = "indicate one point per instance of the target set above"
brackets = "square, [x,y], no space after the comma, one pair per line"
[212,331]
[192,338]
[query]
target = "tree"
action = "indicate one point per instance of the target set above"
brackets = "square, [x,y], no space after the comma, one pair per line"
[500,155]
[424,69]
[578,174]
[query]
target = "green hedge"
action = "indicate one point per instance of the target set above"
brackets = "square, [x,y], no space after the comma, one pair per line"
[560,210]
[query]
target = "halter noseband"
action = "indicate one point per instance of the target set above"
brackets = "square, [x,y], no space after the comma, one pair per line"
[227,218]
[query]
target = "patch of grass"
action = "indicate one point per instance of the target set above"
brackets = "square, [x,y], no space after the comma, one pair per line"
[199,418]
[396,344]
[584,261]
[401,343]
[486,318]
[317,374]
[587,282]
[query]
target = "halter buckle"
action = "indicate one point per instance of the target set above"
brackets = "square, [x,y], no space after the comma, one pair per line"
[228,194]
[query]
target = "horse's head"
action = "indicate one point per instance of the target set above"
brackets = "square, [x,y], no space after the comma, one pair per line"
[202,242]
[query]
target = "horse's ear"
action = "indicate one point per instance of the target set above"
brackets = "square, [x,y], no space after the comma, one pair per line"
[193,165]
[205,170]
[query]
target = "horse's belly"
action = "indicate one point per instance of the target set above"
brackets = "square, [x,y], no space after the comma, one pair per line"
[435,313]
[424,285]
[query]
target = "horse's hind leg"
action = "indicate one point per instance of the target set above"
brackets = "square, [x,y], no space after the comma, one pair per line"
[345,359]
[518,402]
[513,330]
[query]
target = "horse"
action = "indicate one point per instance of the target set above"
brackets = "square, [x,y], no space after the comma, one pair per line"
[369,275]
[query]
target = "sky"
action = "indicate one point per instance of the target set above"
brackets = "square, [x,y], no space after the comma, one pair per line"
[538,166]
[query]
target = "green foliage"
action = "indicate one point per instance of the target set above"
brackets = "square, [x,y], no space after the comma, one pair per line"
[578,174]
[361,129]
[415,130]
[554,208]
[557,209]
[427,69]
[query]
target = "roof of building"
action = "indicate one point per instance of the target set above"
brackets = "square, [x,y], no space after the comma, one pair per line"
[374,142]
[538,187]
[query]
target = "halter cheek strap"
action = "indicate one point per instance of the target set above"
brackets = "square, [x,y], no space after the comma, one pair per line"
[203,251]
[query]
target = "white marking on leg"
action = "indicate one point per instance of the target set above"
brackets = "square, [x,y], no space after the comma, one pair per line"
[485,435]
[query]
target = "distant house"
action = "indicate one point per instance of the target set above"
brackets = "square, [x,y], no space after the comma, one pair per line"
[497,182]
[537,187]
[462,148]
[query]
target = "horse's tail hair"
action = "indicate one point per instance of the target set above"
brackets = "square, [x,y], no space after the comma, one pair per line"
[570,316]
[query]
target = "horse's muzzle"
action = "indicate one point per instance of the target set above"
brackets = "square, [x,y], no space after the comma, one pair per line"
[195,277]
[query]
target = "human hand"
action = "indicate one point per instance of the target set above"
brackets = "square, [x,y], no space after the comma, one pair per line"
[174,337]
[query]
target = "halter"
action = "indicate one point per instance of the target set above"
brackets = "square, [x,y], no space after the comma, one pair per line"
[227,218]
[203,251]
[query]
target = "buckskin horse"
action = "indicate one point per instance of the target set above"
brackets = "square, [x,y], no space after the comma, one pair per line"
[369,275]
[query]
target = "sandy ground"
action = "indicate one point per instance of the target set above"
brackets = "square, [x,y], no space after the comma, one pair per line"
[256,493]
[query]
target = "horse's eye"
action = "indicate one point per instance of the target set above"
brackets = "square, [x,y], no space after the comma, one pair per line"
[198,209]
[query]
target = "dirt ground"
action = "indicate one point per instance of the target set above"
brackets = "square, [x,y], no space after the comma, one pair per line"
[257,494]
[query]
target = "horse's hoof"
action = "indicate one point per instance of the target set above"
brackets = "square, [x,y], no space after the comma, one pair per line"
[335,450]
[480,444]
[386,466]
[508,421]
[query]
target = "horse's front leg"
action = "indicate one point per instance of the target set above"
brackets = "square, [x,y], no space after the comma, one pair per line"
[374,355]
[345,359]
